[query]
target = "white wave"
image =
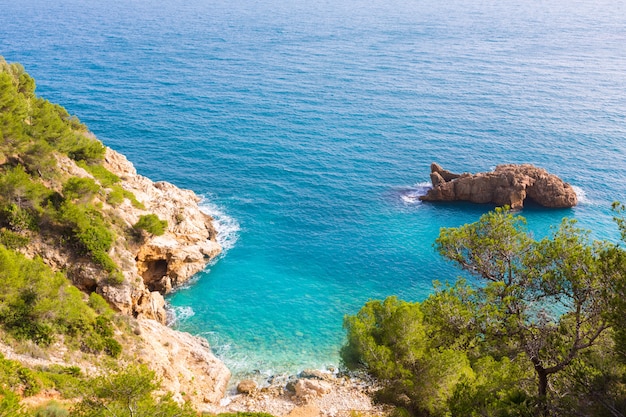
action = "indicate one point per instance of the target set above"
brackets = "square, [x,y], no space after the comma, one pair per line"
[227,227]
[411,195]
[581,194]
[176,315]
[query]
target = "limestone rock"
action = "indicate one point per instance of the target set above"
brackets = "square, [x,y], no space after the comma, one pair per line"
[507,185]
[184,363]
[189,242]
[307,389]
[315,374]
[150,267]
[247,386]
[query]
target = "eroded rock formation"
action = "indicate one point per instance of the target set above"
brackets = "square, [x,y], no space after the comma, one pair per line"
[184,364]
[507,185]
[151,267]
[164,262]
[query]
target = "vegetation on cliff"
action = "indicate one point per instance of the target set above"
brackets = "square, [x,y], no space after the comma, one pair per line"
[56,195]
[538,332]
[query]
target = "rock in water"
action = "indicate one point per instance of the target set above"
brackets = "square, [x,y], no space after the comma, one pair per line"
[507,185]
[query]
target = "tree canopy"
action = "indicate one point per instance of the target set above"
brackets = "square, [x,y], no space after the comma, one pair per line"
[530,334]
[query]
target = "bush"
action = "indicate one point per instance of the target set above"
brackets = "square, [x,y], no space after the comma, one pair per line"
[133,200]
[80,188]
[99,304]
[116,196]
[83,148]
[103,175]
[52,409]
[129,392]
[89,231]
[18,218]
[151,224]
[13,240]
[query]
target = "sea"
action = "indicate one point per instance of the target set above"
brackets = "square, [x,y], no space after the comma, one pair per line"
[309,127]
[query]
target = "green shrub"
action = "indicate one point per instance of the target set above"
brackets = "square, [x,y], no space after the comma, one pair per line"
[18,187]
[116,196]
[129,392]
[83,148]
[133,200]
[151,224]
[18,218]
[36,304]
[13,240]
[99,304]
[89,231]
[52,409]
[103,175]
[9,403]
[80,188]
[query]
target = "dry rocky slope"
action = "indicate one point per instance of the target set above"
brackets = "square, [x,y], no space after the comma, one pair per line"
[507,185]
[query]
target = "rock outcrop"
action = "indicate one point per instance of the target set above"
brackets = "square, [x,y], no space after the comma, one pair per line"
[507,185]
[151,266]
[164,262]
[184,364]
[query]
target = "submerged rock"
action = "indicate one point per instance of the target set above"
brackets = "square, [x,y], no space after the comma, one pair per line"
[507,185]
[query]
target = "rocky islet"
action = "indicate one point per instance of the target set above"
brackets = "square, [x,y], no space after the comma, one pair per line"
[507,185]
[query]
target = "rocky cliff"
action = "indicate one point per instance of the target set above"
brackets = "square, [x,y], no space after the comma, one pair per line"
[507,185]
[159,263]
[151,267]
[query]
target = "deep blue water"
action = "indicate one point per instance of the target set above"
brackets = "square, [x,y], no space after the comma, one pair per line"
[309,125]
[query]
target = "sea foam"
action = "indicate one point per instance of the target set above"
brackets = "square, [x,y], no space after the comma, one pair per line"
[227,227]
[411,195]
[176,315]
[581,194]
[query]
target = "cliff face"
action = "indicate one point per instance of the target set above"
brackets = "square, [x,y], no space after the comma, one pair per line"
[151,266]
[158,263]
[69,200]
[506,185]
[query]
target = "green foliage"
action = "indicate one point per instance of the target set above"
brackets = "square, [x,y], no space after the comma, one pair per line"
[36,304]
[52,409]
[9,403]
[541,298]
[99,305]
[77,188]
[151,224]
[115,196]
[19,188]
[89,231]
[83,148]
[133,200]
[531,337]
[13,240]
[128,393]
[103,175]
[18,218]
[389,339]
[17,378]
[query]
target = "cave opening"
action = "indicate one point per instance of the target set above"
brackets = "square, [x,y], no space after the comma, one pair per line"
[153,274]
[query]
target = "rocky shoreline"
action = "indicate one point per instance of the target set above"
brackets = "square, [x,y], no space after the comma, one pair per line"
[185,363]
[155,265]
[311,393]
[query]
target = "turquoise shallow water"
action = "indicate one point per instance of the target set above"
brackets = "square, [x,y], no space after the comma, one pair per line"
[310,126]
